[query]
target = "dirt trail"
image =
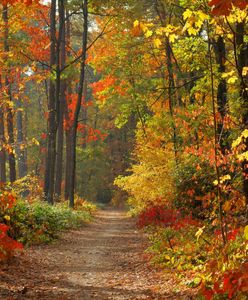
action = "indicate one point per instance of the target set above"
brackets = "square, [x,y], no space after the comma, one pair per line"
[100,261]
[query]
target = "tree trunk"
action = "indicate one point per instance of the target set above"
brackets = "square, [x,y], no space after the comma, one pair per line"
[67,119]
[78,105]
[222,103]
[62,100]
[161,12]
[85,116]
[171,95]
[242,61]
[10,119]
[21,152]
[51,138]
[2,147]
[68,164]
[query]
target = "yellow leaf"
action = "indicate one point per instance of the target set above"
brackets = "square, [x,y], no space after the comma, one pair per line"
[136,23]
[243,156]
[35,141]
[246,232]
[157,43]
[225,178]
[228,74]
[236,142]
[7,218]
[148,33]
[199,232]
[159,31]
[232,80]
[245,71]
[172,38]
[187,14]
[202,15]
[192,31]
[245,133]
[143,27]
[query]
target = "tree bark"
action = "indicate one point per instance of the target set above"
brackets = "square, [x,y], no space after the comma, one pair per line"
[62,100]
[242,61]
[78,105]
[68,164]
[222,102]
[67,119]
[51,138]
[21,152]
[2,147]
[160,9]
[10,119]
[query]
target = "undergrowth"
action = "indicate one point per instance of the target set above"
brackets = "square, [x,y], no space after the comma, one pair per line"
[38,222]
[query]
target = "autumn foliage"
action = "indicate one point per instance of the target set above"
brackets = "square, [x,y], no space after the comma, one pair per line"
[150,105]
[163,217]
[8,246]
[223,7]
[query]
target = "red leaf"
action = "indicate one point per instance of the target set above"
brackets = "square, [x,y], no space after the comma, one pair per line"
[223,7]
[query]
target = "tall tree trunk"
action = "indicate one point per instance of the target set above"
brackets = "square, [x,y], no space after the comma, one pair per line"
[68,161]
[10,119]
[68,164]
[85,116]
[51,138]
[161,11]
[2,147]
[11,140]
[62,100]
[242,61]
[222,102]
[171,94]
[78,105]
[21,152]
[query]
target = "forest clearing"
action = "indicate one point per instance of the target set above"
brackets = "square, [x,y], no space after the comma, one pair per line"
[124,149]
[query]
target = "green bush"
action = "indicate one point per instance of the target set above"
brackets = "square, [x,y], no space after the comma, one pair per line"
[38,222]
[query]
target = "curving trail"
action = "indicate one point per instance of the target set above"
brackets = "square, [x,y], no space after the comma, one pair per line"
[100,261]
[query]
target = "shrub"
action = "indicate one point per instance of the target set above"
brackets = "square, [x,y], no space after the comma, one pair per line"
[157,216]
[8,246]
[162,216]
[39,222]
[233,284]
[83,205]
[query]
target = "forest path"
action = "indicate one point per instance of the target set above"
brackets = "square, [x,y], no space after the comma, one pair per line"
[102,260]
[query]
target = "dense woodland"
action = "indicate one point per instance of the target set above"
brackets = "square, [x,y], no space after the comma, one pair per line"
[139,101]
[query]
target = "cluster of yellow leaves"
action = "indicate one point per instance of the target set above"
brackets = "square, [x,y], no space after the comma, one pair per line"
[144,27]
[230,76]
[244,135]
[170,32]
[238,16]
[151,181]
[222,179]
[194,21]
[238,141]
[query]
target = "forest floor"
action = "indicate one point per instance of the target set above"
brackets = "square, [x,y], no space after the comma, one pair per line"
[103,260]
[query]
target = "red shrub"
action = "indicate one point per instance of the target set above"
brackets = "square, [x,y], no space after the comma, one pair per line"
[7,200]
[231,283]
[157,215]
[160,216]
[7,245]
[231,234]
